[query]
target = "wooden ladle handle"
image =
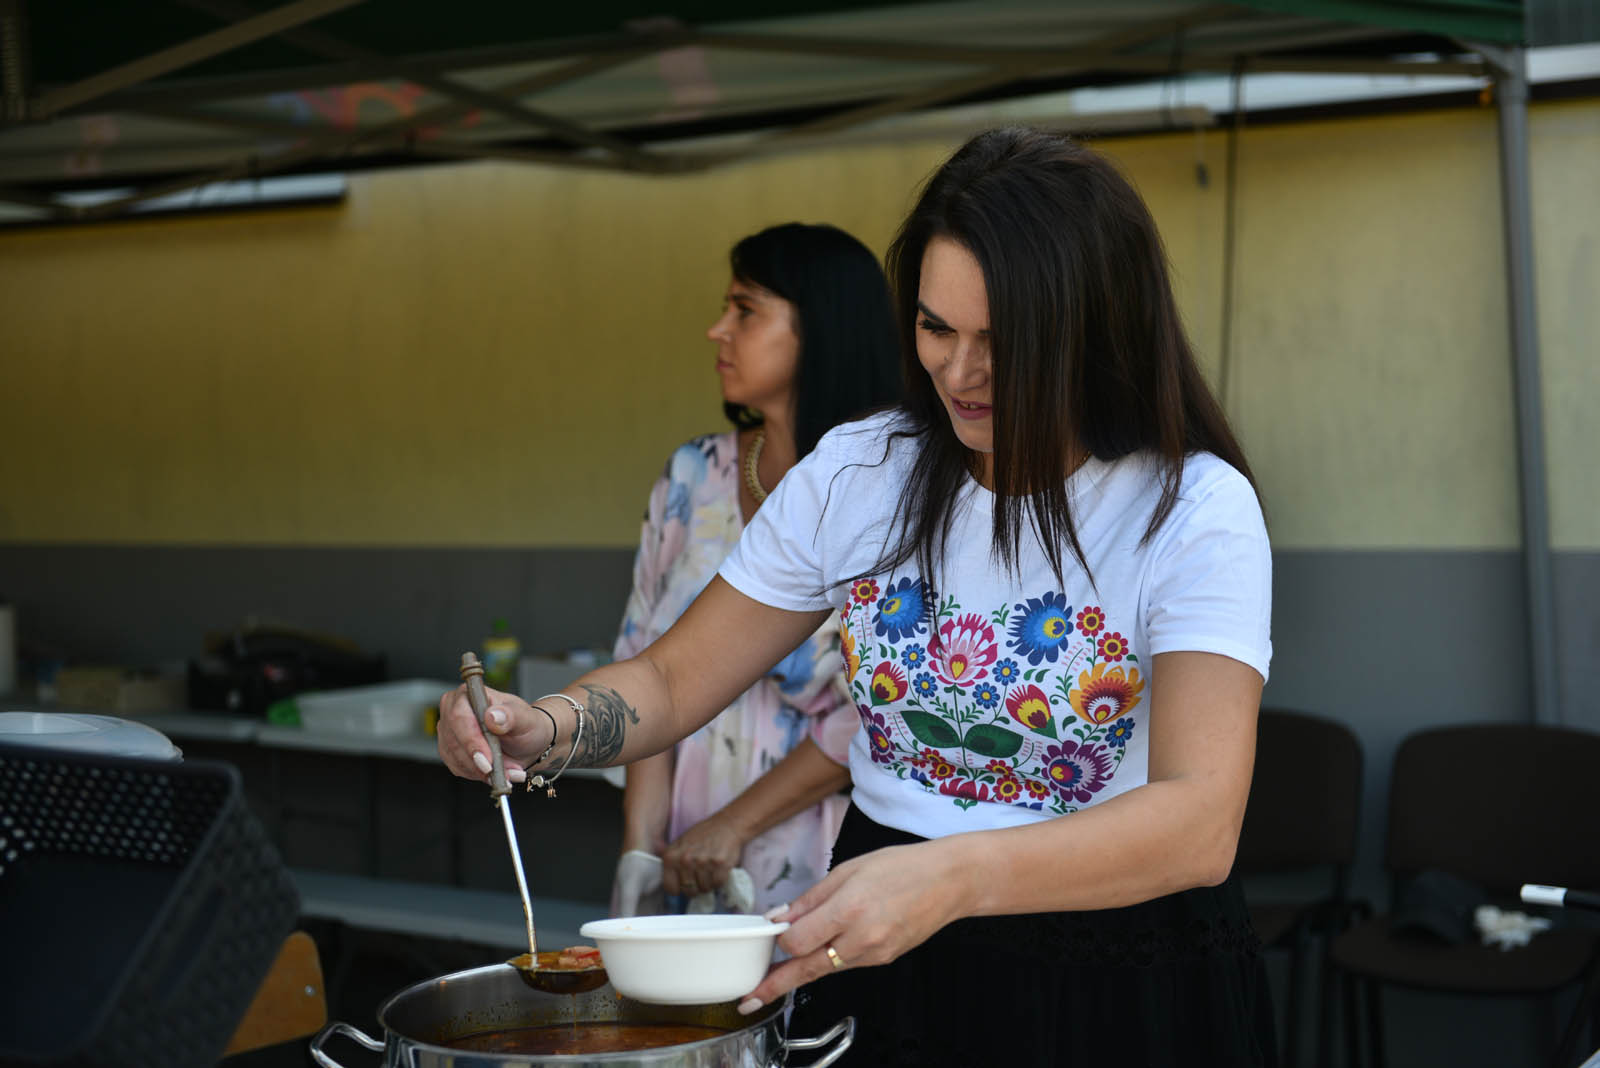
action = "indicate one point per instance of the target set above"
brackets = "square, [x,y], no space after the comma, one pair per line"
[472,675]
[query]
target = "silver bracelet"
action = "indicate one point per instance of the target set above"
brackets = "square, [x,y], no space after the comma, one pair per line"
[577,734]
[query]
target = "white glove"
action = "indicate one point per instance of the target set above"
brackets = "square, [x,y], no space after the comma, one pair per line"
[1507,929]
[736,894]
[636,891]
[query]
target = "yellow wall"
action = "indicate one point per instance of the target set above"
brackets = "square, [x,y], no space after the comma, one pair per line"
[503,355]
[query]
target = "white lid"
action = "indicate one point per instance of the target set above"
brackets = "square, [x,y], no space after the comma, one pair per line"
[81,732]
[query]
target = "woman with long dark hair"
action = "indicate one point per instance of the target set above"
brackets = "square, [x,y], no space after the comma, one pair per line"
[1052,579]
[805,341]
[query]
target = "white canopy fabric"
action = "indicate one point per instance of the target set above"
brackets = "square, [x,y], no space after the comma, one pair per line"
[172,95]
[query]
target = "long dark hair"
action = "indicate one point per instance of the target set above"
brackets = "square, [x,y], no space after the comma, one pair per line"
[848,341]
[1089,354]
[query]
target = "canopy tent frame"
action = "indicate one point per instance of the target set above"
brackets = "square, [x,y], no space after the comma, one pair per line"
[1266,30]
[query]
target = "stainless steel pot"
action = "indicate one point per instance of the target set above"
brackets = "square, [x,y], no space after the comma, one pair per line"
[421,1018]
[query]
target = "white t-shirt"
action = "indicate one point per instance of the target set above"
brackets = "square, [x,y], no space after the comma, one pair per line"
[989,700]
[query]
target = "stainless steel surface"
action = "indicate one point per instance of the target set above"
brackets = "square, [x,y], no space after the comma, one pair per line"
[504,802]
[499,788]
[418,1019]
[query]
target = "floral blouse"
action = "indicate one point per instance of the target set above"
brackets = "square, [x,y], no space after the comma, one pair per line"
[691,523]
[1002,696]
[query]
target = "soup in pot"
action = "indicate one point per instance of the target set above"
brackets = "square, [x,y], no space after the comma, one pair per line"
[553,1039]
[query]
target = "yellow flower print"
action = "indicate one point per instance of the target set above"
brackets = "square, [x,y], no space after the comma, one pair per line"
[1106,693]
[847,646]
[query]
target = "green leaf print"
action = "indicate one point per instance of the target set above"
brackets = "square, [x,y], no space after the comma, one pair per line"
[930,729]
[990,740]
[1048,730]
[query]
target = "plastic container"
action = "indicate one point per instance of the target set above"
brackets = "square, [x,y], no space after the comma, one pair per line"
[387,710]
[141,906]
[685,960]
[86,733]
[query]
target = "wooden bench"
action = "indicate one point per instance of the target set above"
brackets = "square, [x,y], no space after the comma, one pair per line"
[434,910]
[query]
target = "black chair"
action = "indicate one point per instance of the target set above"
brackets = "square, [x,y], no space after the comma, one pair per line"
[1492,806]
[1302,816]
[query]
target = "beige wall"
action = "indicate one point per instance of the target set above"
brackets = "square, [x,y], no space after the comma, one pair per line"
[503,355]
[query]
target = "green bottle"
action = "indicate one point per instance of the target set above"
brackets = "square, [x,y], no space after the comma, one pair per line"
[500,653]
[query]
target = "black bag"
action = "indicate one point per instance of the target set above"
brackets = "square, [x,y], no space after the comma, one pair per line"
[250,668]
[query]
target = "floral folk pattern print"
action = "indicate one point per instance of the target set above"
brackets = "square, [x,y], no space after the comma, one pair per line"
[1027,706]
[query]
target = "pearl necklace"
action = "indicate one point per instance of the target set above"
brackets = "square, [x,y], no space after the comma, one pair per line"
[752,481]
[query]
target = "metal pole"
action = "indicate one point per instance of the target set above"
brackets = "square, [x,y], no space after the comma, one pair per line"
[1511,100]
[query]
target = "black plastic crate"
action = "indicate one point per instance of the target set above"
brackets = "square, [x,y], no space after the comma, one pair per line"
[140,908]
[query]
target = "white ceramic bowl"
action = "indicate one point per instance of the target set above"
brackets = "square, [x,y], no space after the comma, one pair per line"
[685,960]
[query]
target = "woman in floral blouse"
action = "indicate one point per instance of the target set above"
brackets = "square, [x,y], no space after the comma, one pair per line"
[806,340]
[1053,584]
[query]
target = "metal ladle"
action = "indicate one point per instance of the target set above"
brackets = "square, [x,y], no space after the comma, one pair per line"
[537,969]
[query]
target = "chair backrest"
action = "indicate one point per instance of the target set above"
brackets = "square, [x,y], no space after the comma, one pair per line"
[1305,797]
[1499,804]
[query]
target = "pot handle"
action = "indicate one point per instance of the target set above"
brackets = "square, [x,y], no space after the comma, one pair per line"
[845,1027]
[354,1034]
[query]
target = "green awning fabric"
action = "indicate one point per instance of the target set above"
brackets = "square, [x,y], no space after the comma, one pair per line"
[1494,21]
[613,82]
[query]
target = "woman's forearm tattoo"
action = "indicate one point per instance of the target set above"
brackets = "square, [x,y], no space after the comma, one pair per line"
[609,716]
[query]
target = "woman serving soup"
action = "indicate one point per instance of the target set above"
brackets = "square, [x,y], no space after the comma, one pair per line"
[1051,578]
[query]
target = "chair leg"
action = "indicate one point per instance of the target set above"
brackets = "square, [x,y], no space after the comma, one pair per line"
[1587,1010]
[1380,1058]
[1327,985]
[1291,1018]
[1352,1022]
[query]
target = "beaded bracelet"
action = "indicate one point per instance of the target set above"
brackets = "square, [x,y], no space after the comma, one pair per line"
[554,730]
[577,734]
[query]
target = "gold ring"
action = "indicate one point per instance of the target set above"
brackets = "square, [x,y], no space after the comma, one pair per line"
[833,955]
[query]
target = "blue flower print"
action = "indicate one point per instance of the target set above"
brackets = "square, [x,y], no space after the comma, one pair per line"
[1042,627]
[1119,732]
[900,610]
[986,695]
[924,685]
[1006,672]
[678,502]
[686,469]
[794,671]
[913,657]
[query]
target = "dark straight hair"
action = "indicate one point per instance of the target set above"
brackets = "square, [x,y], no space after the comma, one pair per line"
[844,319]
[1089,353]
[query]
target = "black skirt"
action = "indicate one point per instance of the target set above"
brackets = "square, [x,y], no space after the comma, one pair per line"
[1174,981]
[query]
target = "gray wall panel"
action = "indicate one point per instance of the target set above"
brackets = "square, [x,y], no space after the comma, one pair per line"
[422,607]
[1388,642]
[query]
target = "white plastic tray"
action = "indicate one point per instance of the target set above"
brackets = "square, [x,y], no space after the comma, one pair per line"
[386,710]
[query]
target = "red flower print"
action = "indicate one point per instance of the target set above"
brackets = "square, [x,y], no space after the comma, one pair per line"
[1030,707]
[940,768]
[888,683]
[1036,789]
[864,590]
[1091,620]
[1001,768]
[962,650]
[1113,646]
[1008,790]
[966,789]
